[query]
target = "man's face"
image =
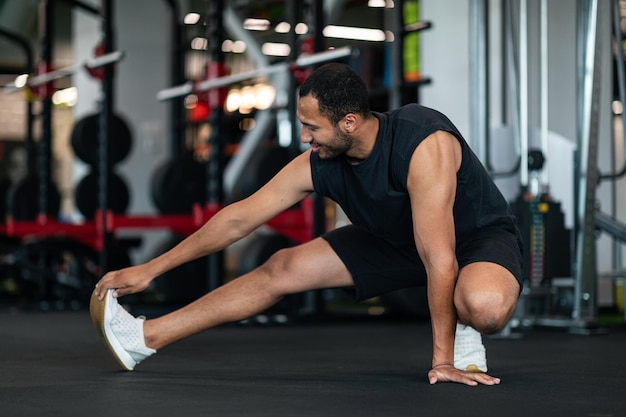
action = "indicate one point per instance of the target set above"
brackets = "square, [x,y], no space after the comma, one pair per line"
[326,140]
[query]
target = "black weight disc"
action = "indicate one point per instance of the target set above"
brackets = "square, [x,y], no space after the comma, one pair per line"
[263,165]
[182,284]
[84,139]
[22,199]
[86,195]
[5,186]
[178,184]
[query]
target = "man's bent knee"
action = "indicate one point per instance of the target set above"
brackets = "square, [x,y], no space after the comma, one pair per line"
[487,313]
[276,270]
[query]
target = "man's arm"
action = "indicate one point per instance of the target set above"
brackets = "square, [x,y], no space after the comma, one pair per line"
[237,220]
[432,188]
[432,185]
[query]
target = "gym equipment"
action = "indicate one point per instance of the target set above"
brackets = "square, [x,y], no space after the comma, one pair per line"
[62,272]
[262,166]
[180,285]
[86,195]
[303,61]
[22,202]
[178,184]
[45,77]
[547,242]
[84,139]
[5,185]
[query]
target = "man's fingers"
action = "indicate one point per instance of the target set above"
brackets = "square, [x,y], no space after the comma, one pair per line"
[462,377]
[486,379]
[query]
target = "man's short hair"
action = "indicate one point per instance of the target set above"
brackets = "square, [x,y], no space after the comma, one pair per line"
[339,91]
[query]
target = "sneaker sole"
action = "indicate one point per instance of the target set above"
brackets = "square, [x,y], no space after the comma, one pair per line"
[98,309]
[474,369]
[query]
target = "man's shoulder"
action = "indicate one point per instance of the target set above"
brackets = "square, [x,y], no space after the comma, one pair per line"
[414,111]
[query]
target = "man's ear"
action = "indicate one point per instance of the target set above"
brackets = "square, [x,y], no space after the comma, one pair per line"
[350,122]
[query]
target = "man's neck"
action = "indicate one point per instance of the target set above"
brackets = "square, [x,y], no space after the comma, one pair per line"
[364,140]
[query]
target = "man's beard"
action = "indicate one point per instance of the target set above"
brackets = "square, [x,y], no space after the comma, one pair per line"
[340,144]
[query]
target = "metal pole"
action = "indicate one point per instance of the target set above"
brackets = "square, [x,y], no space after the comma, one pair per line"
[545,179]
[104,133]
[177,76]
[621,84]
[215,164]
[46,31]
[394,20]
[292,41]
[523,91]
[479,74]
[585,280]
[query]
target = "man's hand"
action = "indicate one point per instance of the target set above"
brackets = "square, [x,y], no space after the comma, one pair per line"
[448,373]
[124,281]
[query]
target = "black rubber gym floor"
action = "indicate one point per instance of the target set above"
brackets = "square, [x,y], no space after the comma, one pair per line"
[53,364]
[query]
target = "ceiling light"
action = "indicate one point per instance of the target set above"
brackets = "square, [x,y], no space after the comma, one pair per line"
[239,47]
[256,24]
[302,29]
[376,3]
[359,34]
[199,44]
[67,96]
[265,95]
[617,107]
[21,80]
[233,100]
[227,45]
[282,27]
[191,18]
[275,49]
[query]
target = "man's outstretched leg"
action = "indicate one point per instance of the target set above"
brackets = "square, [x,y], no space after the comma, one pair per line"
[485,298]
[313,265]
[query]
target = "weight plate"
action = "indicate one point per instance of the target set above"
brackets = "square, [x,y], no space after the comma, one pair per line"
[263,165]
[86,195]
[183,284]
[84,139]
[178,184]
[22,200]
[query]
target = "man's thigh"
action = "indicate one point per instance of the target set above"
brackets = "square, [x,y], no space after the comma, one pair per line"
[376,266]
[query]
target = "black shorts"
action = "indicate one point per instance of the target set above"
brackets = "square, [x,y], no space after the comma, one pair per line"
[378,267]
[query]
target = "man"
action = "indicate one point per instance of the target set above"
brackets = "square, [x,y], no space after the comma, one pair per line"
[423,210]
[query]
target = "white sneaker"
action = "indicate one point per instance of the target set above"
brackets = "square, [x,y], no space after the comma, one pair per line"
[469,353]
[121,333]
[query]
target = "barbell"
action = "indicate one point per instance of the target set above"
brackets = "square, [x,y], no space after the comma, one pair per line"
[31,81]
[301,62]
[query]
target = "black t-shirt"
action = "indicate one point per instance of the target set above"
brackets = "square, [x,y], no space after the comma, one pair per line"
[374,195]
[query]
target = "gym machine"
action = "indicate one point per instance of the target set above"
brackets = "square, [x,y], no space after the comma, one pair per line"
[60,260]
[552,251]
[254,163]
